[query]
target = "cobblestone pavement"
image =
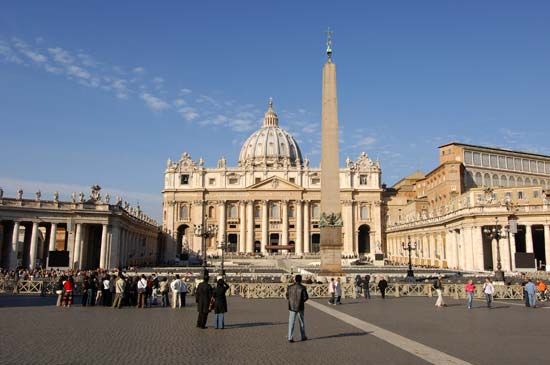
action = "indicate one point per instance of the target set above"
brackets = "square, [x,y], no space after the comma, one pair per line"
[33,331]
[507,334]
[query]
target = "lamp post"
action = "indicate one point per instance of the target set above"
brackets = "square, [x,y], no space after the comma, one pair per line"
[205,231]
[496,233]
[409,246]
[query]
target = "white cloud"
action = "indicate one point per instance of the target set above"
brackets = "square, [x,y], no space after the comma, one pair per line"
[179,102]
[77,71]
[154,103]
[138,70]
[364,142]
[26,50]
[61,56]
[185,91]
[188,113]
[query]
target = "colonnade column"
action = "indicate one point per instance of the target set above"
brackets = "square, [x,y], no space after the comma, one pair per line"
[53,233]
[250,226]
[221,222]
[528,239]
[477,242]
[34,242]
[14,243]
[77,246]
[114,256]
[307,224]
[512,251]
[547,246]
[433,242]
[242,227]
[299,248]
[284,235]
[348,227]
[265,227]
[103,250]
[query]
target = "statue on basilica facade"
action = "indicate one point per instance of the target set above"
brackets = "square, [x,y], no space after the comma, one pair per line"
[221,163]
[107,198]
[38,195]
[19,194]
[73,197]
[81,197]
[56,197]
[1,193]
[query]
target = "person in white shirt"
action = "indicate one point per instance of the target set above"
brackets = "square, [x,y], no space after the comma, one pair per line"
[142,288]
[489,290]
[338,291]
[175,286]
[332,291]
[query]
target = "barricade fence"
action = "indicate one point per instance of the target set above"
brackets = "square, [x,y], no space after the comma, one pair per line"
[278,290]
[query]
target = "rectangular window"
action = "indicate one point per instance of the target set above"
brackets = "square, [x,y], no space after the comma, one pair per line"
[517,164]
[485,159]
[315,181]
[477,159]
[363,180]
[508,195]
[509,163]
[525,165]
[211,181]
[520,194]
[540,166]
[501,162]
[494,161]
[291,226]
[292,180]
[468,158]
[548,167]
[533,166]
[233,180]
[184,179]
[257,180]
[536,194]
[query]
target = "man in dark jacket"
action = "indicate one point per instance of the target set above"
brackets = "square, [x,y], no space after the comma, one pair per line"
[297,296]
[382,285]
[203,294]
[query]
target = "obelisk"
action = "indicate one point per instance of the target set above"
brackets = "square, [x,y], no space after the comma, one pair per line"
[331,211]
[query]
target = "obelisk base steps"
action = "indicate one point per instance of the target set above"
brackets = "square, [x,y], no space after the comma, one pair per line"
[331,252]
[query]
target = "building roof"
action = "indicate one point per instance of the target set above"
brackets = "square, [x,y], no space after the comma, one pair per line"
[494,149]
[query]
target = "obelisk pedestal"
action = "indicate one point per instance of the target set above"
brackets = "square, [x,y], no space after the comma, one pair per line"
[331,210]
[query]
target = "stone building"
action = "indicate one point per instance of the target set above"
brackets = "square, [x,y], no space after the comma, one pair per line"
[270,201]
[82,233]
[447,211]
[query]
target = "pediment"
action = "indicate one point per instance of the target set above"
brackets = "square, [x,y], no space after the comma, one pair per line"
[274,183]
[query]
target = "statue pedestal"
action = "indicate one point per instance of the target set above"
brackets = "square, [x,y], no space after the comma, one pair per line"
[378,259]
[331,252]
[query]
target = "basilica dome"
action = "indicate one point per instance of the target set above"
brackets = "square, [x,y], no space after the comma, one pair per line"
[270,145]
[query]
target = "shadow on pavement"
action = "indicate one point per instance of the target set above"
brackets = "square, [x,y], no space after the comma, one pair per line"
[350,334]
[26,301]
[253,324]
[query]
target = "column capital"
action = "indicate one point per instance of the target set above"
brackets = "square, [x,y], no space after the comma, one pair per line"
[199,202]
[221,203]
[284,202]
[264,202]
[347,203]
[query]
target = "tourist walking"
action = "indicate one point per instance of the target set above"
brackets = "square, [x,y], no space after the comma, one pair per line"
[59,290]
[203,295]
[163,288]
[149,292]
[106,291]
[524,282]
[332,291]
[489,290]
[220,303]
[531,291]
[470,289]
[366,286]
[141,290]
[438,286]
[358,286]
[296,294]
[382,285]
[338,291]
[120,286]
[68,287]
[175,288]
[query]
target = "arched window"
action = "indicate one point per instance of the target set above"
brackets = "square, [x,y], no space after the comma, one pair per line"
[527,182]
[512,181]
[364,212]
[535,182]
[487,180]
[496,182]
[478,180]
[275,212]
[315,211]
[519,182]
[257,211]
[184,212]
[233,211]
[503,181]
[211,211]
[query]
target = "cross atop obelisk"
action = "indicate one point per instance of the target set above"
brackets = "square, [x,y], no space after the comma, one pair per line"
[331,210]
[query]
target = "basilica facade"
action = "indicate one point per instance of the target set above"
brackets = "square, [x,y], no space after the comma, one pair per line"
[268,203]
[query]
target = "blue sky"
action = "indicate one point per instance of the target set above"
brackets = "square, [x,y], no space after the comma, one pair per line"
[104,92]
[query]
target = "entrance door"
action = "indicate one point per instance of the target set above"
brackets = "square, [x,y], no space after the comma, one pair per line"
[363,240]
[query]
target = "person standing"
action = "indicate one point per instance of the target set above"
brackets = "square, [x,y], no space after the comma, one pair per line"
[338,291]
[203,295]
[366,286]
[68,287]
[163,288]
[531,291]
[296,294]
[470,289]
[120,286]
[524,282]
[358,286]
[156,287]
[85,290]
[332,291]
[175,288]
[438,286]
[141,290]
[220,303]
[183,293]
[382,285]
[489,290]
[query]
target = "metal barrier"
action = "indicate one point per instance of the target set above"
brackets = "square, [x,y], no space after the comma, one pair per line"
[278,290]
